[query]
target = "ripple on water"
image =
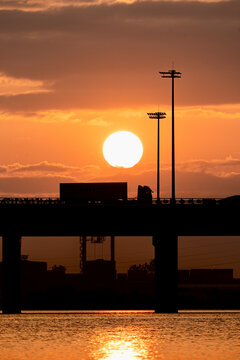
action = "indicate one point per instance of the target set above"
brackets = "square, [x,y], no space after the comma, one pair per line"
[120,335]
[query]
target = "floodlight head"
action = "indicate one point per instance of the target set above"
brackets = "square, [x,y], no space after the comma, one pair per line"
[170,74]
[157,115]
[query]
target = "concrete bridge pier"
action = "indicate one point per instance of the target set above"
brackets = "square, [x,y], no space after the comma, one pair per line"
[166,272]
[11,260]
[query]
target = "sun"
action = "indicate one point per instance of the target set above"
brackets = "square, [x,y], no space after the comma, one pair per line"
[122,149]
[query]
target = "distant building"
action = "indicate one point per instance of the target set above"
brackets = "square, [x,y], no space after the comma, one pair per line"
[145,272]
[100,270]
[30,269]
[33,274]
[205,276]
[122,276]
[33,268]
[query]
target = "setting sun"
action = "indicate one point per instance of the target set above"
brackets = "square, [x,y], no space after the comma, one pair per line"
[122,149]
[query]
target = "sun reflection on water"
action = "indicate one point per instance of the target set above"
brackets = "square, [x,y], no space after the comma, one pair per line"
[120,345]
[122,350]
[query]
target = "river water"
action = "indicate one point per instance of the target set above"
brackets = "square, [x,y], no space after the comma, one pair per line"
[121,335]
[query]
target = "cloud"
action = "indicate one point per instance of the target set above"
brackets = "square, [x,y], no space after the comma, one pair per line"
[98,122]
[10,86]
[51,116]
[41,179]
[36,5]
[117,16]
[197,178]
[43,167]
[222,168]
[47,169]
[190,184]
[106,55]
[88,117]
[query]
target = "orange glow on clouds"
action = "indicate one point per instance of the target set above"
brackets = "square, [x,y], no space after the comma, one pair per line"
[37,5]
[67,146]
[73,72]
[11,86]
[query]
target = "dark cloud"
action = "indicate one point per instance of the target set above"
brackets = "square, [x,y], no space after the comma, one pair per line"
[109,55]
[121,15]
[36,5]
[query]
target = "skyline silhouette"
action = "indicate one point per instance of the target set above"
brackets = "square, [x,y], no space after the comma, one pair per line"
[104,208]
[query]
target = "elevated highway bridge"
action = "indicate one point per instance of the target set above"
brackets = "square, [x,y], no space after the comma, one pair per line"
[164,221]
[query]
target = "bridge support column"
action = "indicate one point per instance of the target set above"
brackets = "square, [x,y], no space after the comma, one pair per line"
[166,273]
[11,259]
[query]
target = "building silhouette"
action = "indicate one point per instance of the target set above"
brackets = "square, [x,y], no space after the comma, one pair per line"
[101,288]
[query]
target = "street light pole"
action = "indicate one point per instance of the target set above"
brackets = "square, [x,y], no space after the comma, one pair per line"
[173,74]
[158,116]
[158,159]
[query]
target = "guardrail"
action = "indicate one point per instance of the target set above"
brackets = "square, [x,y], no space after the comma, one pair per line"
[188,201]
[30,201]
[54,201]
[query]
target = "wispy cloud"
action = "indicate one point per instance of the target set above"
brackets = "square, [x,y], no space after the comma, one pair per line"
[99,121]
[88,117]
[42,178]
[218,167]
[10,86]
[50,116]
[45,168]
[215,178]
[36,5]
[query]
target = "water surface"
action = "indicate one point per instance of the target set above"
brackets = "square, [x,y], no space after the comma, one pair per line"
[127,335]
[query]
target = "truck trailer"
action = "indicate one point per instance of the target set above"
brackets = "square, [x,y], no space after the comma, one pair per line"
[93,192]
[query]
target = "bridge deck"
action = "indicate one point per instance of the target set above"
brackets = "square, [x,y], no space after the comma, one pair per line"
[52,217]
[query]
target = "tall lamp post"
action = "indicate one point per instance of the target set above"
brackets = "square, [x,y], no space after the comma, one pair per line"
[173,74]
[158,116]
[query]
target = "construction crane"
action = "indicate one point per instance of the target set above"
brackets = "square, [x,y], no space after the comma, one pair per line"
[94,240]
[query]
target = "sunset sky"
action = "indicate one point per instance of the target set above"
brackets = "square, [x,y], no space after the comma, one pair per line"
[73,72]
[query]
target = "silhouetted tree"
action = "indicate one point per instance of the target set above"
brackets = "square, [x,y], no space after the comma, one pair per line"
[60,269]
[141,271]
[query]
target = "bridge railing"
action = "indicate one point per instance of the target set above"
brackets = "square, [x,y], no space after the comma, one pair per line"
[55,200]
[188,201]
[30,200]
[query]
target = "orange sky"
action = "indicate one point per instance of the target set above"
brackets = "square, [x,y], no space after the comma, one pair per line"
[72,72]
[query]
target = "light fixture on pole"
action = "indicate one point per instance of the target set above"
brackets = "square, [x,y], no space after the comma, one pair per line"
[158,116]
[173,74]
